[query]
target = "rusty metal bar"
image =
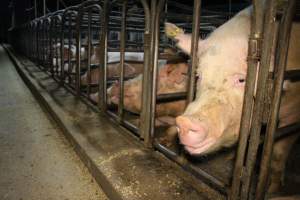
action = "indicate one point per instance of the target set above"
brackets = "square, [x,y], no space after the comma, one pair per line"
[148,45]
[261,94]
[70,43]
[62,43]
[253,59]
[287,130]
[51,56]
[103,56]
[122,60]
[280,66]
[78,52]
[194,50]
[152,98]
[89,54]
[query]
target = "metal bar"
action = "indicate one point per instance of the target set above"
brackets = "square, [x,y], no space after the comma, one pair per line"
[89,56]
[62,43]
[44,7]
[145,117]
[261,94]
[194,50]
[280,66]
[122,57]
[104,18]
[287,130]
[78,52]
[293,75]
[35,9]
[70,43]
[153,97]
[253,55]
[171,97]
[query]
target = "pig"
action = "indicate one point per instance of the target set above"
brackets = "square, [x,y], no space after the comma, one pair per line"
[113,70]
[212,121]
[132,68]
[68,52]
[172,78]
[133,64]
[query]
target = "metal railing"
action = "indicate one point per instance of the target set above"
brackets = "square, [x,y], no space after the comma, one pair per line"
[92,24]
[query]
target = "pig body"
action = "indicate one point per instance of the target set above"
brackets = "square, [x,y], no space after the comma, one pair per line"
[212,120]
[113,70]
[133,65]
[171,79]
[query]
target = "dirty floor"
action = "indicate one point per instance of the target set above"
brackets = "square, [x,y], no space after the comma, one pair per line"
[36,162]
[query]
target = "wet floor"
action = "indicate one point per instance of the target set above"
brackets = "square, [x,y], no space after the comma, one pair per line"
[36,162]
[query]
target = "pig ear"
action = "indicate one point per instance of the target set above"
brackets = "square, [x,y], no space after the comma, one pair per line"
[183,40]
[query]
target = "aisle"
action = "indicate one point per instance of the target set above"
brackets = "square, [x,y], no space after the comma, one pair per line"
[36,162]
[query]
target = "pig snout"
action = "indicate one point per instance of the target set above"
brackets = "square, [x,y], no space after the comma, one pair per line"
[193,134]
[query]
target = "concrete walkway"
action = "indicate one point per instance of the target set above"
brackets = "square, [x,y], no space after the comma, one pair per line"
[36,162]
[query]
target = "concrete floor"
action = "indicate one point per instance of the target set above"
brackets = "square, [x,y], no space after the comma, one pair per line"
[36,162]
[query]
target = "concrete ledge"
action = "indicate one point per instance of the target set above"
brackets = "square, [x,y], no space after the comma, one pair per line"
[120,164]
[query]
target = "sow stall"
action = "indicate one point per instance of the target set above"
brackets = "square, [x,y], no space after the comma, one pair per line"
[63,44]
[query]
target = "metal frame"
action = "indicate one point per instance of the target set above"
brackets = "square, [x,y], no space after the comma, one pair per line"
[37,39]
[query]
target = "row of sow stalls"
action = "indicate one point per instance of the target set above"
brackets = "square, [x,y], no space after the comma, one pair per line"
[111,42]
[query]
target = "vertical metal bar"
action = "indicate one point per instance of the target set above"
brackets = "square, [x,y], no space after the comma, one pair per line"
[62,53]
[89,54]
[70,43]
[103,18]
[253,58]
[35,9]
[78,52]
[194,50]
[57,4]
[44,7]
[258,109]
[147,60]
[159,9]
[53,21]
[280,66]
[122,60]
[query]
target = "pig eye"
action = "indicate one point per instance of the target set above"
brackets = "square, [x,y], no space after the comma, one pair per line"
[239,80]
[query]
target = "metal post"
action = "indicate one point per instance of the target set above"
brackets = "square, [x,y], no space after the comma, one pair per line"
[280,66]
[122,57]
[35,10]
[78,52]
[44,7]
[104,17]
[57,4]
[253,59]
[194,50]
[89,41]
[261,94]
[147,59]
[153,94]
